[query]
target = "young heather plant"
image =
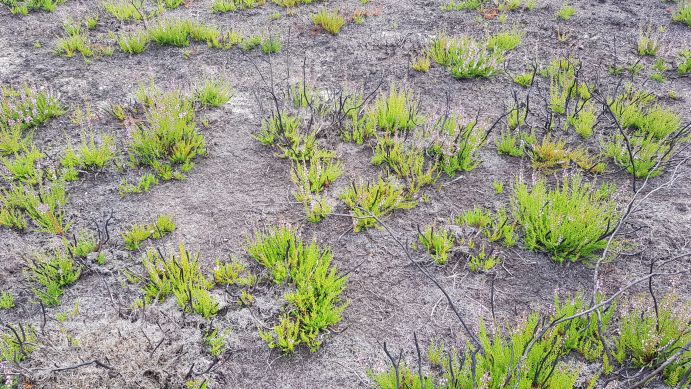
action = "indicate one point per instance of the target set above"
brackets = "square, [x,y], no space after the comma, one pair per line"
[377,199]
[437,242]
[395,111]
[570,222]
[213,93]
[162,226]
[52,273]
[180,276]
[456,145]
[315,303]
[329,21]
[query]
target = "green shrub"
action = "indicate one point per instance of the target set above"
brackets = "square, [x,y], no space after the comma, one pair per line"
[213,93]
[331,22]
[162,226]
[315,303]
[379,199]
[683,14]
[16,344]
[179,276]
[504,41]
[465,58]
[437,243]
[53,273]
[123,10]
[43,206]
[24,108]
[569,222]
[89,155]
[456,145]
[405,161]
[6,301]
[168,140]
[566,12]
[684,67]
[395,111]
[647,43]
[23,167]
[524,79]
[222,6]
[648,340]
[134,42]
[146,181]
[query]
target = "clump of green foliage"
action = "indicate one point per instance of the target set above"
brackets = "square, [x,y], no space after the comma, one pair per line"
[491,363]
[43,206]
[179,33]
[52,273]
[88,156]
[570,222]
[495,227]
[134,42]
[315,303]
[143,185]
[162,226]
[684,67]
[311,178]
[331,22]
[213,93]
[23,7]
[396,111]
[75,41]
[464,57]
[215,342]
[437,242]
[648,339]
[123,10]
[647,43]
[456,145]
[180,276]
[168,140]
[23,108]
[233,273]
[16,344]
[654,133]
[514,144]
[405,161]
[566,11]
[683,14]
[223,6]
[377,199]
[6,300]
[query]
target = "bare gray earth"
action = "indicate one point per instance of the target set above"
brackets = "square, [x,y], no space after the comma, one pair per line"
[242,186]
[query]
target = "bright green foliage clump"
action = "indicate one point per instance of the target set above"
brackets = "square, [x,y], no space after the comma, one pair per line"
[647,43]
[654,134]
[75,41]
[683,14]
[213,93]
[571,222]
[566,12]
[146,181]
[222,6]
[24,108]
[23,7]
[122,10]
[284,131]
[179,276]
[357,126]
[464,57]
[178,33]
[137,234]
[331,22]
[233,273]
[493,367]
[495,227]
[53,273]
[6,300]
[514,144]
[88,156]
[168,140]
[684,67]
[406,161]
[582,333]
[396,111]
[215,342]
[22,167]
[315,304]
[649,340]
[43,206]
[81,246]
[437,242]
[456,145]
[133,43]
[378,199]
[16,344]
[310,179]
